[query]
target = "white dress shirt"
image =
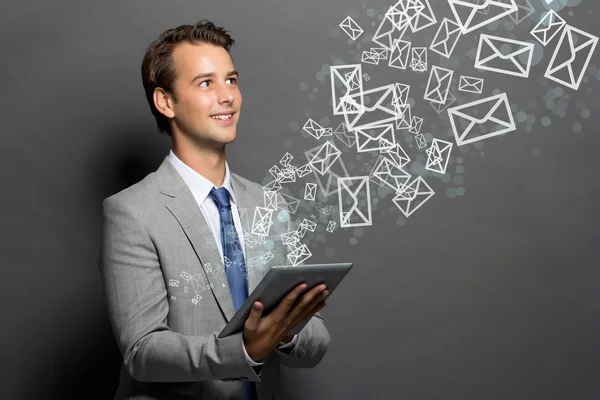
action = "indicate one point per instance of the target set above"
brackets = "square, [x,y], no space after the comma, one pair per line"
[200,188]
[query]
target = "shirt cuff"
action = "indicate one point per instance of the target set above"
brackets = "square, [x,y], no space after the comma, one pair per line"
[283,345]
[251,361]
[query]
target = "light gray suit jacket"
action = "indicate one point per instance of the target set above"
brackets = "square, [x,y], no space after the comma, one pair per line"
[158,265]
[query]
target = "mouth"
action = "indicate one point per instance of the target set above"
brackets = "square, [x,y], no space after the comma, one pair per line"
[223,117]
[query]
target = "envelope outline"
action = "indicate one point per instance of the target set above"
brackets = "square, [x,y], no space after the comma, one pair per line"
[310,191]
[488,39]
[466,26]
[345,215]
[355,122]
[365,142]
[526,8]
[444,151]
[417,189]
[421,141]
[450,31]
[351,28]
[441,107]
[338,102]
[323,162]
[425,14]
[470,84]
[443,77]
[387,170]
[403,49]
[549,20]
[567,34]
[461,138]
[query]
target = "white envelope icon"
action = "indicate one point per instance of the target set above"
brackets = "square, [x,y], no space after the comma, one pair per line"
[299,255]
[286,159]
[387,32]
[351,28]
[424,18]
[270,199]
[403,12]
[323,158]
[287,203]
[310,191]
[578,47]
[388,173]
[303,170]
[313,129]
[369,57]
[262,221]
[421,141]
[330,226]
[548,27]
[413,196]
[438,85]
[404,116]
[446,38]
[352,191]
[333,165]
[399,54]
[507,62]
[524,10]
[375,138]
[397,155]
[345,80]
[441,107]
[470,16]
[402,92]
[380,52]
[381,109]
[470,124]
[418,63]
[344,136]
[470,84]
[438,156]
[415,125]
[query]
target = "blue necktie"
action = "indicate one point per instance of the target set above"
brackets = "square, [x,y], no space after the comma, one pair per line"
[235,265]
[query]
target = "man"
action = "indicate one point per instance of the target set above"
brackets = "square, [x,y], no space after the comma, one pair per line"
[175,245]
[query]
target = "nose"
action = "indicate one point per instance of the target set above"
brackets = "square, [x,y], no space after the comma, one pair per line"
[225,94]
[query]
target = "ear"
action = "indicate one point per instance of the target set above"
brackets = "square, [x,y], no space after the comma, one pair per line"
[163,103]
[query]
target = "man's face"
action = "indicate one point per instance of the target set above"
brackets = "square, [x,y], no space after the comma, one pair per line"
[208,98]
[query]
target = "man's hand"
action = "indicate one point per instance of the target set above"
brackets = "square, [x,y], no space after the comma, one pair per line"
[263,334]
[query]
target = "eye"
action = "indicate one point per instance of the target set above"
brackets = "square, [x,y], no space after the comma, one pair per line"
[233,80]
[203,83]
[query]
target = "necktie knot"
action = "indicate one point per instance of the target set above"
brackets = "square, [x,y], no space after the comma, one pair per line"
[221,197]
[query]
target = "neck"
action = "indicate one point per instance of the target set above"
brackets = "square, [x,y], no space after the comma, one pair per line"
[208,162]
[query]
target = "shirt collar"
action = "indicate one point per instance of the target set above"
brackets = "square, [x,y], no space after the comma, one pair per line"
[198,184]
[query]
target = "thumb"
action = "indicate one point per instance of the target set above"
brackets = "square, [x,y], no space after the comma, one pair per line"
[255,315]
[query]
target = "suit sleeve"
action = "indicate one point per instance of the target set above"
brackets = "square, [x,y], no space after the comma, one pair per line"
[313,340]
[138,307]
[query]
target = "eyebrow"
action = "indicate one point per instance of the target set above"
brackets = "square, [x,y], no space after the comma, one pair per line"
[210,74]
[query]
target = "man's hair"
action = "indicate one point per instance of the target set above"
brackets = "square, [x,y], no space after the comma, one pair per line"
[158,70]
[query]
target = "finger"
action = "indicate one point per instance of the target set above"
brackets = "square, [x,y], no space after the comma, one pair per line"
[316,305]
[288,301]
[253,319]
[308,313]
[307,301]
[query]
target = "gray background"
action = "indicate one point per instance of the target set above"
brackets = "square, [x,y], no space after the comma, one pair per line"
[490,295]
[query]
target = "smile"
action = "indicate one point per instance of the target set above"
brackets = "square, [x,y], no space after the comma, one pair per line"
[222,117]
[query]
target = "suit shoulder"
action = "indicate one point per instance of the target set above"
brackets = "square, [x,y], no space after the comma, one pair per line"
[250,185]
[139,193]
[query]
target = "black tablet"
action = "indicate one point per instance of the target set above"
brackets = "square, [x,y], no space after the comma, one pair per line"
[278,282]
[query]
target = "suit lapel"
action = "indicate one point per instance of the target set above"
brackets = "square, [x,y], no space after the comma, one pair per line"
[247,203]
[184,208]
